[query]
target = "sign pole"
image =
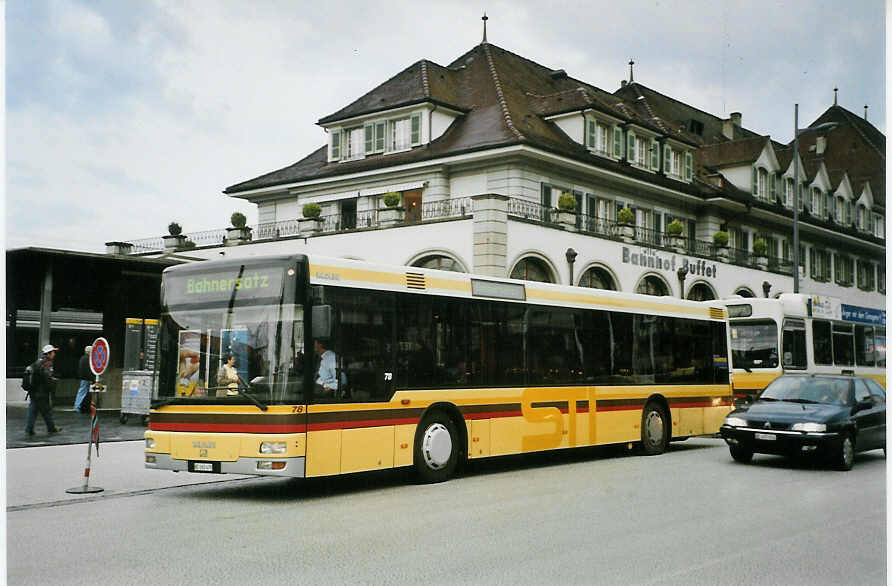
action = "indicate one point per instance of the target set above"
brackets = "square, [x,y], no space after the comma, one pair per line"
[99,356]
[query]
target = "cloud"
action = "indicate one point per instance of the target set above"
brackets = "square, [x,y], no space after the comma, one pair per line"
[124,116]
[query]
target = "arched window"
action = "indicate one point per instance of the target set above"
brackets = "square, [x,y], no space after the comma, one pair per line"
[532,269]
[653,285]
[597,278]
[440,262]
[701,292]
[744,292]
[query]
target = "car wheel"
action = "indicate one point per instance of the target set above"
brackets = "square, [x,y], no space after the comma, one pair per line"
[845,454]
[654,429]
[436,448]
[741,454]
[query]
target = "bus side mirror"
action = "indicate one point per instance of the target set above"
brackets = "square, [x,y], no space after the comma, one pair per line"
[321,321]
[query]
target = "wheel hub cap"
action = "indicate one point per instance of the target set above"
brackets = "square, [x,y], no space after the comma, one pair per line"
[654,428]
[436,446]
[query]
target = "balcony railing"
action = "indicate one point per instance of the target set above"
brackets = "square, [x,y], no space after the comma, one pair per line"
[464,207]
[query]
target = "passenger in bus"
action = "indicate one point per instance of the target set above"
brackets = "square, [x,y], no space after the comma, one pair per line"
[326,377]
[227,377]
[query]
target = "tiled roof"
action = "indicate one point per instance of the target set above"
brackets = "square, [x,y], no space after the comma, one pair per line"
[677,116]
[504,99]
[725,154]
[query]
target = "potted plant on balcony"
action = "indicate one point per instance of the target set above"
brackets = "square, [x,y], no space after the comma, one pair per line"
[720,242]
[760,253]
[174,238]
[624,219]
[566,214]
[311,223]
[675,229]
[392,213]
[239,232]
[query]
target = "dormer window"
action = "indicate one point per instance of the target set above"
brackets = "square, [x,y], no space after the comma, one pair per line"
[376,136]
[677,164]
[816,201]
[598,137]
[762,183]
[788,193]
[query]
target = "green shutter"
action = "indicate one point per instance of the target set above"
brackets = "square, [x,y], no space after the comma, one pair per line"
[688,166]
[772,186]
[590,135]
[631,146]
[755,181]
[379,137]
[336,145]
[667,159]
[654,155]
[416,129]
[617,142]
[369,131]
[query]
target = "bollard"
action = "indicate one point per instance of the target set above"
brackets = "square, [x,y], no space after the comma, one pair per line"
[94,422]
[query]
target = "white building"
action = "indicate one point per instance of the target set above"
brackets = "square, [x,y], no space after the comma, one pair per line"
[481,150]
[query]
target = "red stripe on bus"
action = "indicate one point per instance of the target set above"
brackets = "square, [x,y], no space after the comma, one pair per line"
[227,427]
[360,424]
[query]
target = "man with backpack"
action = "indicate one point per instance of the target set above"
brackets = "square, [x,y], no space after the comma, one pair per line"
[42,383]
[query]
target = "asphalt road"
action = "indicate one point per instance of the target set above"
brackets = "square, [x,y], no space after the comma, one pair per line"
[597,516]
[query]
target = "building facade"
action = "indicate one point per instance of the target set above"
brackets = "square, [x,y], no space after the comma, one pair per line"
[504,167]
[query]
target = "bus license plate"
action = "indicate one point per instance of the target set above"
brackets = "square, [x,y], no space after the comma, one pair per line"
[767,437]
[204,467]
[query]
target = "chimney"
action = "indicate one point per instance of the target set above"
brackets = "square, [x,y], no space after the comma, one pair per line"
[865,112]
[730,124]
[820,145]
[624,83]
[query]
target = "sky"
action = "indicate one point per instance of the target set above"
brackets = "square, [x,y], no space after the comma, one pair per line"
[125,115]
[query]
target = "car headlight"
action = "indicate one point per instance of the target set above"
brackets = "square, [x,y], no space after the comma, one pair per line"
[810,426]
[735,422]
[272,447]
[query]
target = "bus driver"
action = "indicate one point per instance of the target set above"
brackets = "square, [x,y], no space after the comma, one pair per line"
[326,378]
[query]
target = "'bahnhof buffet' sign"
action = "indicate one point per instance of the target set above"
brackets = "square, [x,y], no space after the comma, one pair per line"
[652,260]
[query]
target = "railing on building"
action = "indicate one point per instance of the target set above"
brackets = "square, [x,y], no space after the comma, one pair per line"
[464,207]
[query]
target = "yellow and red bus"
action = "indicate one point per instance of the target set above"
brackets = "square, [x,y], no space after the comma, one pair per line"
[345,366]
[800,333]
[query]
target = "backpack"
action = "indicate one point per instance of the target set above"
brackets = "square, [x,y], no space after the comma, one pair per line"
[28,377]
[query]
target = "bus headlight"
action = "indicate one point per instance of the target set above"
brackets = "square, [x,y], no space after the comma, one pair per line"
[809,426]
[150,443]
[735,422]
[272,447]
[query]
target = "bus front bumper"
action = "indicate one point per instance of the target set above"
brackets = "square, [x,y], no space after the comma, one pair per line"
[291,467]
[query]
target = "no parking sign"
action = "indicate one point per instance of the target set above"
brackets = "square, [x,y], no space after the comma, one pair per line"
[99,356]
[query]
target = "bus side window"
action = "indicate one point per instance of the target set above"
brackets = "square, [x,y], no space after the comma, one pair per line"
[823,346]
[794,355]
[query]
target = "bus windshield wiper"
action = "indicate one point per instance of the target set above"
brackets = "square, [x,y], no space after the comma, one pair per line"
[260,405]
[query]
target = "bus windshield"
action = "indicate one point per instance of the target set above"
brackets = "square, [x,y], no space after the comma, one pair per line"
[227,339]
[754,344]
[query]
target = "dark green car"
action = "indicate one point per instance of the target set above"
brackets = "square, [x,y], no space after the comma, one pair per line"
[834,416]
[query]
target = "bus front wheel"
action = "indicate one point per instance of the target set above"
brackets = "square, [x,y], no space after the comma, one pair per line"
[436,448]
[654,429]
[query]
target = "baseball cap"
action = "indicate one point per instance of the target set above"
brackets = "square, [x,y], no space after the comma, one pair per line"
[48,348]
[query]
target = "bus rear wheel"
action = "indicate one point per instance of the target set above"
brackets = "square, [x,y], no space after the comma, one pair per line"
[654,429]
[436,448]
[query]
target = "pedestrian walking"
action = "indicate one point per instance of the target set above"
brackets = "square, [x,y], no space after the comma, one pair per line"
[81,405]
[44,383]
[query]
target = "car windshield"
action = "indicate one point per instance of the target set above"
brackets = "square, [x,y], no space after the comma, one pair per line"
[808,389]
[754,344]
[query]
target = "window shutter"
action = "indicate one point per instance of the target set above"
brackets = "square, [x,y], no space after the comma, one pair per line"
[688,166]
[811,261]
[416,129]
[335,145]
[630,149]
[755,181]
[379,137]
[546,195]
[369,132]
[772,187]
[617,142]
[590,135]
[654,155]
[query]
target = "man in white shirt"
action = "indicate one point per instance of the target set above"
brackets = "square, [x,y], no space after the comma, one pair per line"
[327,377]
